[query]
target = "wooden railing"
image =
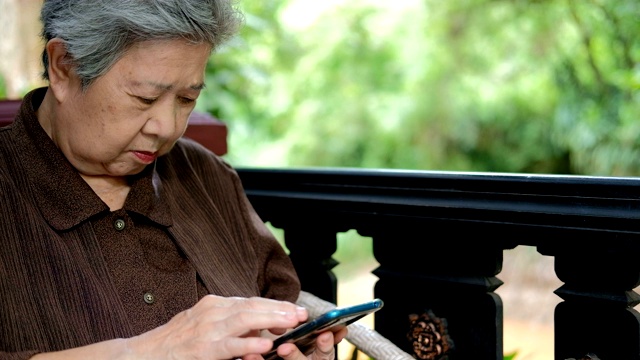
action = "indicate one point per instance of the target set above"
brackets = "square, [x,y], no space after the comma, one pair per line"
[439,239]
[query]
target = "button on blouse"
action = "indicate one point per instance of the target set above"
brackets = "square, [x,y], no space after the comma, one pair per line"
[119,224]
[149,298]
[152,276]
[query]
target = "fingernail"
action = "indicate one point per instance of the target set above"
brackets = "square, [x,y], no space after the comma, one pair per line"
[289,315]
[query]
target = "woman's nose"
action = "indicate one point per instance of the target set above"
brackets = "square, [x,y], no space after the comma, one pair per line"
[164,120]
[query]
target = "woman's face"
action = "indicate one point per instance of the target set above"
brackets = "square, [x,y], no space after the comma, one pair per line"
[135,112]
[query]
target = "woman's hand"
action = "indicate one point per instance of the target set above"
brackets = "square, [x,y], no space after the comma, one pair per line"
[325,347]
[218,328]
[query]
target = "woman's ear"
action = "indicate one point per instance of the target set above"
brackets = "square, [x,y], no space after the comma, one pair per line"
[61,74]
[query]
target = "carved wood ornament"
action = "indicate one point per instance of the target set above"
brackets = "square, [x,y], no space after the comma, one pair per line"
[429,337]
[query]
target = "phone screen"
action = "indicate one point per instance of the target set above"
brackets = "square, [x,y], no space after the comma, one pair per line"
[304,336]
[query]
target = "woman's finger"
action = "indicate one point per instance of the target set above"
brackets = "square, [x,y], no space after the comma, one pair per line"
[252,303]
[233,347]
[325,347]
[239,323]
[340,334]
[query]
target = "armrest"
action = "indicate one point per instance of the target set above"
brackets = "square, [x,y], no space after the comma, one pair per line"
[365,339]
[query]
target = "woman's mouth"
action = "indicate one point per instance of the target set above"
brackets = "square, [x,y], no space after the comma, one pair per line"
[146,157]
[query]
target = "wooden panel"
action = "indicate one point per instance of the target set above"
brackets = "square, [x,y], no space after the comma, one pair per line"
[8,110]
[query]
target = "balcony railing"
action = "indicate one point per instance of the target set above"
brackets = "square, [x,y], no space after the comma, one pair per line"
[439,239]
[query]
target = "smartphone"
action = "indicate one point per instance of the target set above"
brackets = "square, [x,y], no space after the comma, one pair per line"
[304,336]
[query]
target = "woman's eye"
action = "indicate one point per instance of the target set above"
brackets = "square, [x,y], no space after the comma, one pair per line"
[186,100]
[146,101]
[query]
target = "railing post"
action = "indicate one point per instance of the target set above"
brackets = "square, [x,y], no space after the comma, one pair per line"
[311,250]
[597,315]
[439,294]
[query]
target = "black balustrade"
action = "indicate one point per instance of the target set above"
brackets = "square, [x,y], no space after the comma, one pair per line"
[439,238]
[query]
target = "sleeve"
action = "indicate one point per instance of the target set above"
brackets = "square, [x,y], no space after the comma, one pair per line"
[271,267]
[277,277]
[23,355]
[7,208]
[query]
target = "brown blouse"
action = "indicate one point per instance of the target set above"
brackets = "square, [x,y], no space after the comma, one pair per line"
[73,273]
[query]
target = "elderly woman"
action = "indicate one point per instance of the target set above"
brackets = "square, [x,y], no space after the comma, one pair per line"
[119,239]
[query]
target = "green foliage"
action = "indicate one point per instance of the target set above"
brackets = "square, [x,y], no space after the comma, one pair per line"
[542,86]
[354,252]
[511,356]
[3,88]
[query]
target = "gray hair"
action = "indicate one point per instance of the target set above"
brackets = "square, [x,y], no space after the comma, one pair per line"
[97,33]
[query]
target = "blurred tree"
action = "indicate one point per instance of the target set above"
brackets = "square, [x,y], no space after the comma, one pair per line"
[20,65]
[544,86]
[598,78]
[240,77]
